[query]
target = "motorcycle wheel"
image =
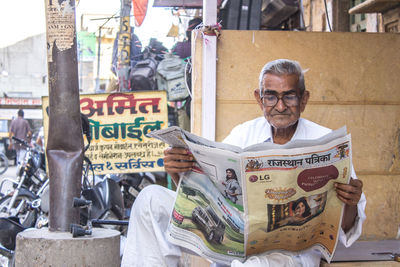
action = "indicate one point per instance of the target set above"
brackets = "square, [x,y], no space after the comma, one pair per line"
[3,163]
[26,216]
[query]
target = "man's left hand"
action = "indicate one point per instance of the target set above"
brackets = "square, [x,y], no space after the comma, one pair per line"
[350,193]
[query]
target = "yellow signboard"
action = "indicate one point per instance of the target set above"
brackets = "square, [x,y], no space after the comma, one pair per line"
[119,123]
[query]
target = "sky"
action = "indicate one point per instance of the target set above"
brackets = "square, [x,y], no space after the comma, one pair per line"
[20,19]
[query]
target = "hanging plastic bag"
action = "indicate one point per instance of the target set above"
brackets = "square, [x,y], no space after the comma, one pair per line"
[171,77]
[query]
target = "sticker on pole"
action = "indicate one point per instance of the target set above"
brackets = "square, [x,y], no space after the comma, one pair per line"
[60,18]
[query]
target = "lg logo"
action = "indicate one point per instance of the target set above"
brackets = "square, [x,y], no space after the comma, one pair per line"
[261,178]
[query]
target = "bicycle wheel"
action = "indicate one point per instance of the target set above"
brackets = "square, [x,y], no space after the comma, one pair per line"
[3,163]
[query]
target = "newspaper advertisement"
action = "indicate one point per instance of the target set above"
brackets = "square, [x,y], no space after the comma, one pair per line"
[236,202]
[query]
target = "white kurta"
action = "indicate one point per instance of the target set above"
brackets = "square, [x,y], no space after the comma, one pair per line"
[147,243]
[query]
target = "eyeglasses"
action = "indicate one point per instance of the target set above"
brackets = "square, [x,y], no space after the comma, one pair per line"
[270,100]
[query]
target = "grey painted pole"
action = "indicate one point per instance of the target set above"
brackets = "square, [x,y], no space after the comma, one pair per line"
[65,142]
[124,46]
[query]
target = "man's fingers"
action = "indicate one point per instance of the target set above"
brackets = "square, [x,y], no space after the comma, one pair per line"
[177,160]
[178,157]
[178,167]
[176,150]
[177,170]
[350,193]
[178,164]
[348,188]
[173,154]
[357,183]
[350,202]
[355,186]
[346,195]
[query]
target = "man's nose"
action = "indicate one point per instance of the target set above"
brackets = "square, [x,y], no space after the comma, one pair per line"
[280,105]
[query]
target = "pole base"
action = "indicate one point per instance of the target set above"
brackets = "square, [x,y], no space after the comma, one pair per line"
[40,247]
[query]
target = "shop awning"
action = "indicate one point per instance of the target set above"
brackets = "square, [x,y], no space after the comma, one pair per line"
[374,6]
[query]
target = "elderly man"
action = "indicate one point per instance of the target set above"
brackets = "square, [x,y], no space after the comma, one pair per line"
[282,98]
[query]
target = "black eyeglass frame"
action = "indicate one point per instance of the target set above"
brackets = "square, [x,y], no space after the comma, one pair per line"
[289,93]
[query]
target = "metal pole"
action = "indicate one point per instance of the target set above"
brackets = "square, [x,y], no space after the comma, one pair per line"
[97,87]
[65,142]
[124,47]
[98,61]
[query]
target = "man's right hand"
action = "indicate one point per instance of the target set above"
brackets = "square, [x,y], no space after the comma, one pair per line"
[177,160]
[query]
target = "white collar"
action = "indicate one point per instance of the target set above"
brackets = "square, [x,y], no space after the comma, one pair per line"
[298,134]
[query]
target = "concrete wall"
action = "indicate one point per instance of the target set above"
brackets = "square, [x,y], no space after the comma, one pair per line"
[353,82]
[26,65]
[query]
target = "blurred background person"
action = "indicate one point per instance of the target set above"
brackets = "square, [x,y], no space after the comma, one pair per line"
[184,49]
[20,128]
[40,139]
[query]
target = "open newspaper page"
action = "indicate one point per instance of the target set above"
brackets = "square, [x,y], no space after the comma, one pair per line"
[208,213]
[281,196]
[291,203]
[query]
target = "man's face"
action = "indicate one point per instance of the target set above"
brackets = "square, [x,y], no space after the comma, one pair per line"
[281,116]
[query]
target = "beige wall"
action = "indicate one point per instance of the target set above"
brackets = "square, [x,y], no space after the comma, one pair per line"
[354,80]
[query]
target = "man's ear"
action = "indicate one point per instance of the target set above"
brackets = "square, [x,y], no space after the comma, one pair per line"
[258,98]
[304,100]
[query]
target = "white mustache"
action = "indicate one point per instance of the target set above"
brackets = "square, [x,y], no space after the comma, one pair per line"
[277,113]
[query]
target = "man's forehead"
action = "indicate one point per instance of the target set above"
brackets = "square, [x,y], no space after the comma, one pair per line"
[287,80]
[288,77]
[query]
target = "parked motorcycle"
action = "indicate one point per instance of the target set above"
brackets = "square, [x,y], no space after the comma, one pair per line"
[131,184]
[24,206]
[105,196]
[9,228]
[30,183]
[106,210]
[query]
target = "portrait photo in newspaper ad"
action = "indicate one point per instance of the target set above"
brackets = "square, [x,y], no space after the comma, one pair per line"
[296,212]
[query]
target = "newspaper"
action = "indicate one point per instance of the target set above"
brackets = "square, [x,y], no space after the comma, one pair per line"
[239,202]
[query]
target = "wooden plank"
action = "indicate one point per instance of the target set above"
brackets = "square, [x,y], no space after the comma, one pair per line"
[197,82]
[383,205]
[342,66]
